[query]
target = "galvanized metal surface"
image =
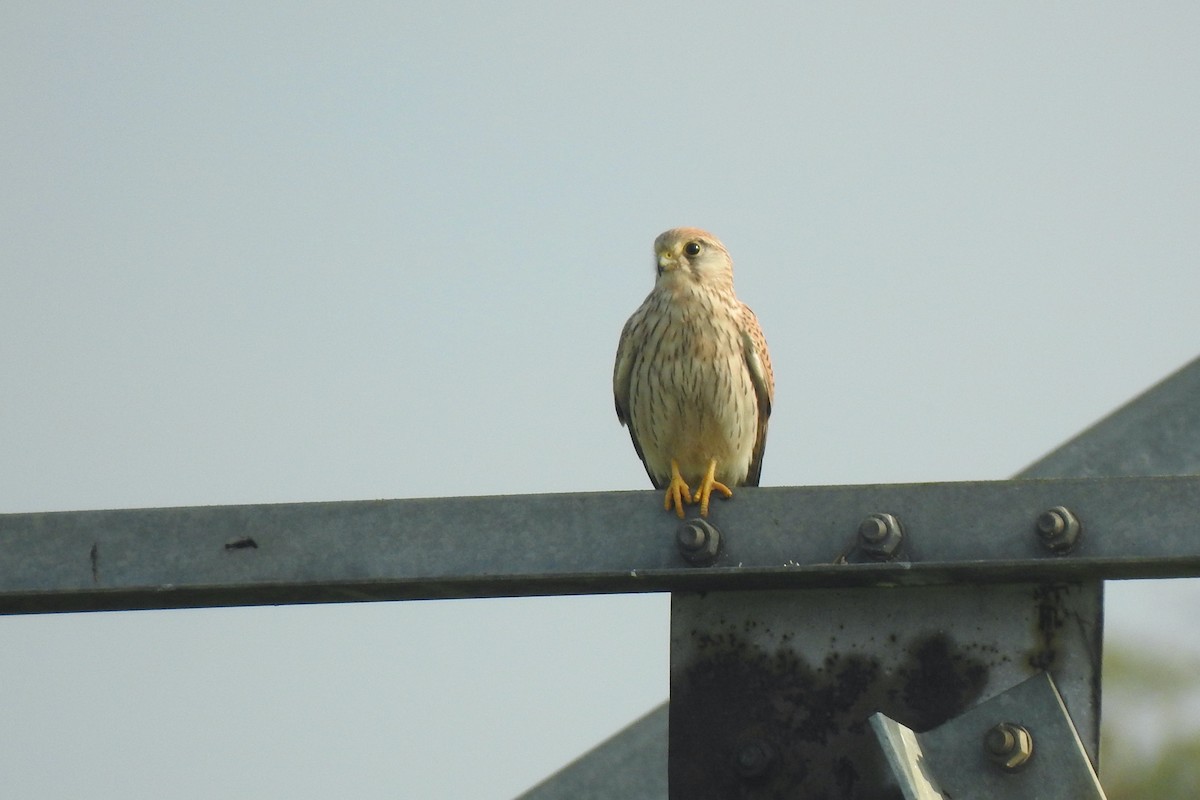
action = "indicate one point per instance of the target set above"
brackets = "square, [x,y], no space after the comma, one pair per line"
[586,543]
[1156,433]
[952,761]
[908,763]
[797,674]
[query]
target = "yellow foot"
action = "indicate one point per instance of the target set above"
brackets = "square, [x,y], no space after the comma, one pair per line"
[678,492]
[707,485]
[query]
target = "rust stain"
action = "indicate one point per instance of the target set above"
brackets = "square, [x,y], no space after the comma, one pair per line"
[813,716]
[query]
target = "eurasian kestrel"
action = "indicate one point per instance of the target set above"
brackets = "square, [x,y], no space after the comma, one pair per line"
[693,379]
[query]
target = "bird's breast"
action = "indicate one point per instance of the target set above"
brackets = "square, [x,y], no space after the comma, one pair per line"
[691,397]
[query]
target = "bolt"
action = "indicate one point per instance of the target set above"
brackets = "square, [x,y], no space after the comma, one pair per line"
[1008,745]
[880,536]
[755,758]
[699,541]
[1058,529]
[873,529]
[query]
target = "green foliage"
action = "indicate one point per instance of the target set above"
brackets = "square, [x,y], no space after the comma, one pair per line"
[1150,735]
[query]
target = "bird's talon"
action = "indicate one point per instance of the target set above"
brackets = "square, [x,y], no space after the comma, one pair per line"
[707,486]
[678,493]
[676,499]
[718,487]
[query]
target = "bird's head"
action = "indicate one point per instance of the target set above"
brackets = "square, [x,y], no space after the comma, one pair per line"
[690,254]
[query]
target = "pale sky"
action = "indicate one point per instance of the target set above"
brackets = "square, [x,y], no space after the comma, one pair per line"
[266,253]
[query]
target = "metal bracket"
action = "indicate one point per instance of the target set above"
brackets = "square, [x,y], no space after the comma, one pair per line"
[1020,743]
[1156,434]
[771,692]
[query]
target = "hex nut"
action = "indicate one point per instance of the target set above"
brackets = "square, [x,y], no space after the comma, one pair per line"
[880,536]
[1059,529]
[699,542]
[754,759]
[1008,745]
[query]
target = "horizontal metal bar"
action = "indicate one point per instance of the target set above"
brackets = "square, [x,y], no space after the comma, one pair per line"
[584,544]
[1155,434]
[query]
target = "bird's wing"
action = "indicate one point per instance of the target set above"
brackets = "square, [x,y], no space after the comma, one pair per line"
[758,362]
[627,352]
[621,372]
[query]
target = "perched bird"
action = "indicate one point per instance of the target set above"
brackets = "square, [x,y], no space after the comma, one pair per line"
[693,379]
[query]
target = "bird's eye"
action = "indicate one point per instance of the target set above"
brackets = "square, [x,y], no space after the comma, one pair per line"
[692,248]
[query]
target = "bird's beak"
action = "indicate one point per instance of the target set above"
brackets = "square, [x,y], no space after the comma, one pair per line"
[666,261]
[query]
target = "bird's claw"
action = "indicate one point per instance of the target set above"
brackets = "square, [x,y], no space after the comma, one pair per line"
[678,493]
[707,486]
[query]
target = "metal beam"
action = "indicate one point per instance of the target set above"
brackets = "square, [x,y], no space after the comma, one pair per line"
[585,543]
[1020,744]
[771,692]
[632,765]
[1156,433]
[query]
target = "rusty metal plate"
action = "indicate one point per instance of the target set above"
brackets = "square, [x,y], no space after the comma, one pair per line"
[771,692]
